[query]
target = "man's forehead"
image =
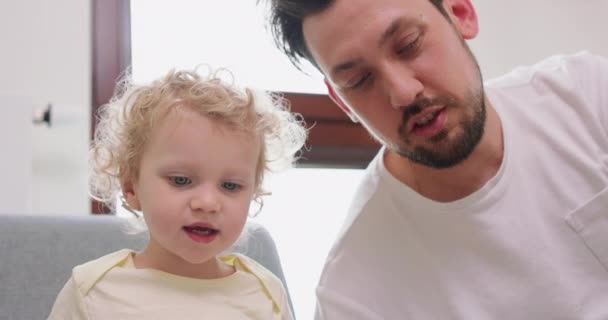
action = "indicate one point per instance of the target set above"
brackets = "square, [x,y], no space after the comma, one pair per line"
[335,45]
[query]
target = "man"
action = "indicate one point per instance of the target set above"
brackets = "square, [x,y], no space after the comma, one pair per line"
[486,202]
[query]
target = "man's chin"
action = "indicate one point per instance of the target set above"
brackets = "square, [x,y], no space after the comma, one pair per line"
[434,159]
[442,151]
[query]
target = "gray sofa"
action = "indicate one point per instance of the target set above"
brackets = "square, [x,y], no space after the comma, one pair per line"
[39,252]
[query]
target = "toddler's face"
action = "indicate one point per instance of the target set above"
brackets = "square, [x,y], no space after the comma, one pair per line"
[195,185]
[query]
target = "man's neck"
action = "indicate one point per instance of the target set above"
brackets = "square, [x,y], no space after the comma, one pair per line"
[451,184]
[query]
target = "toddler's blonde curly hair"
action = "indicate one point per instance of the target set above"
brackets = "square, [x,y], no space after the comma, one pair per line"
[126,122]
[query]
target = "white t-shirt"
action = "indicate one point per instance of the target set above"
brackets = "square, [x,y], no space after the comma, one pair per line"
[112,288]
[532,243]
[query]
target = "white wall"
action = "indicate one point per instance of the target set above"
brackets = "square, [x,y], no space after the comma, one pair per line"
[46,50]
[521,32]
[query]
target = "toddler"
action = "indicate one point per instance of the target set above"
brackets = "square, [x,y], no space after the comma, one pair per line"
[188,153]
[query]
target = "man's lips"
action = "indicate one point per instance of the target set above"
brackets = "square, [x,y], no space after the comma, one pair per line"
[411,122]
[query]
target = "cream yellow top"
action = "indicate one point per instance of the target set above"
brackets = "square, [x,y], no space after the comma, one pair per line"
[112,288]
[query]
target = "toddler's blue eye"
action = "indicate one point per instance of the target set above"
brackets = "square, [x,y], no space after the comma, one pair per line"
[230,186]
[181,181]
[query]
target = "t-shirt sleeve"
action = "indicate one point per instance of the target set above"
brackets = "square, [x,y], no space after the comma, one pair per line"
[271,283]
[69,304]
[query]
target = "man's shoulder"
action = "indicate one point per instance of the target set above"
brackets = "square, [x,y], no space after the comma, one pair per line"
[565,66]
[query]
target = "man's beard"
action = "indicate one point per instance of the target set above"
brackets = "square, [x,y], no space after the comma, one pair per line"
[447,154]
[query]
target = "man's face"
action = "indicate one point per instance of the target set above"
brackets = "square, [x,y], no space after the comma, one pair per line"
[404,70]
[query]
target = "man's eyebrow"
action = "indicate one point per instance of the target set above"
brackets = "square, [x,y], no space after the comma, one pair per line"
[390,31]
[343,67]
[395,25]
[403,22]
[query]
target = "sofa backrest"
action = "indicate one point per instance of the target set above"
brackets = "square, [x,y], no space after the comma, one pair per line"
[37,254]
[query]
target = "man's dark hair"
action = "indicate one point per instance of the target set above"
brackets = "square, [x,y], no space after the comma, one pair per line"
[285,22]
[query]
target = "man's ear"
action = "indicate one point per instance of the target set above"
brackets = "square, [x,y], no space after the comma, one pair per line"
[463,16]
[128,187]
[337,100]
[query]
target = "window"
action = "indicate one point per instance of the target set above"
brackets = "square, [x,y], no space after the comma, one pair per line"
[304,215]
[184,34]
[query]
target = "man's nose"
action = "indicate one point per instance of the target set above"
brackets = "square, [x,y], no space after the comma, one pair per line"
[401,86]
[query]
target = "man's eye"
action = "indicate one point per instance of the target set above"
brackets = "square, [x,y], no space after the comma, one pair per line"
[180,181]
[360,82]
[409,47]
[230,186]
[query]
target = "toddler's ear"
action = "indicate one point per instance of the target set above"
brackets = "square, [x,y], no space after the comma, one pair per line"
[129,192]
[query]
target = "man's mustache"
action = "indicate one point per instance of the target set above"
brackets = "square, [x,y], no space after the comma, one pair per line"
[419,105]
